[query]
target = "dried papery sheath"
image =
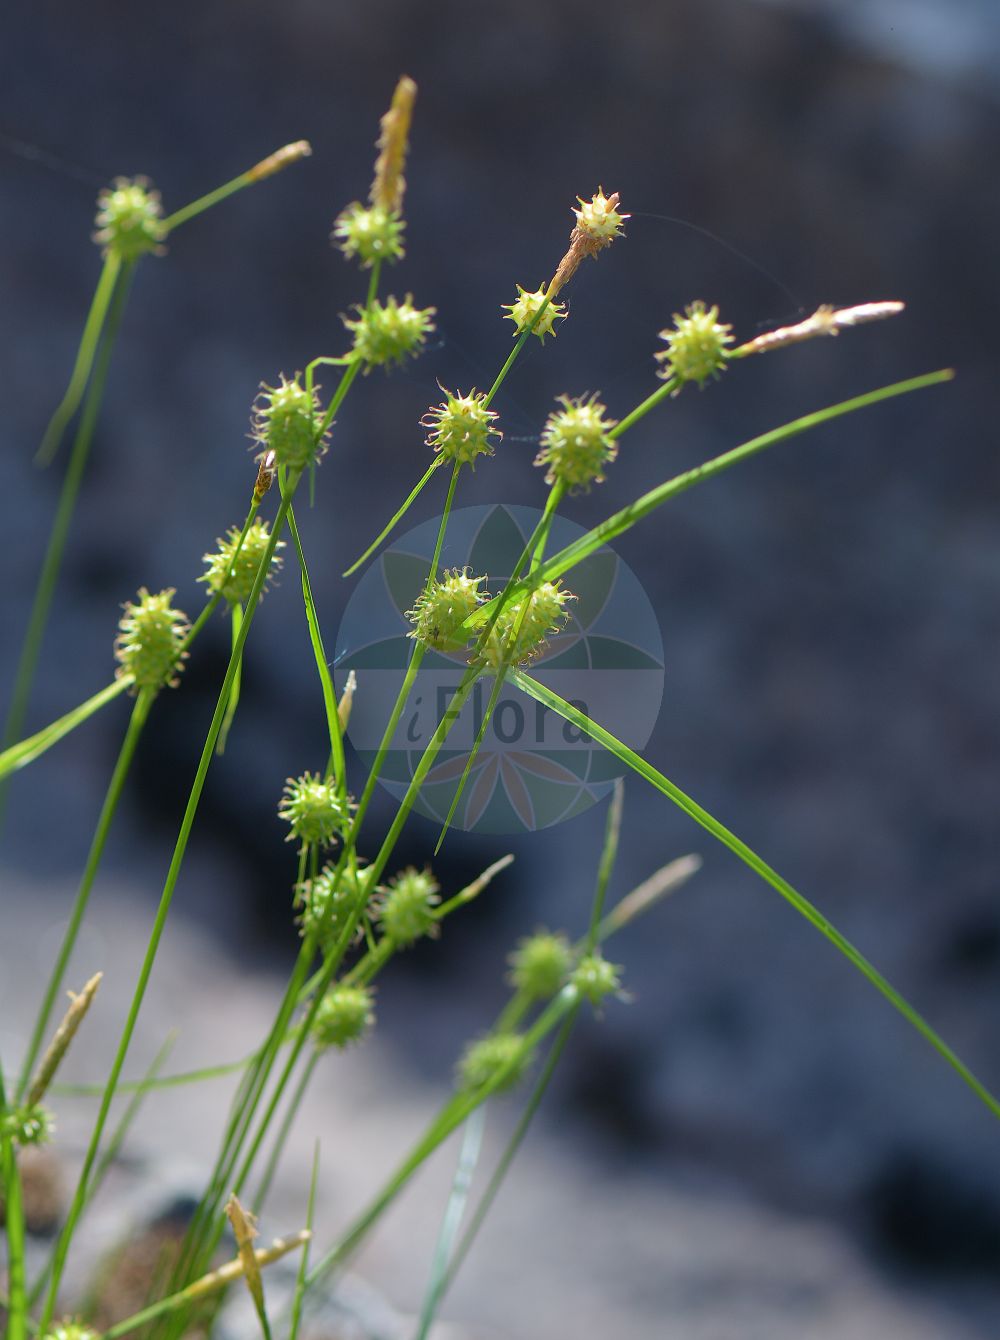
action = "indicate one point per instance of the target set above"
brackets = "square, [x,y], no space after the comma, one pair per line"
[280,159]
[64,1035]
[217,1280]
[598,223]
[389,184]
[825,320]
[244,1226]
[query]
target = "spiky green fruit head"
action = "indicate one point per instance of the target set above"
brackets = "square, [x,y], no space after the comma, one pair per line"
[540,965]
[129,219]
[32,1125]
[500,1057]
[524,626]
[390,332]
[231,573]
[595,978]
[576,443]
[148,645]
[329,901]
[344,1015]
[526,308]
[312,807]
[71,1329]
[286,419]
[368,234]
[696,346]
[599,219]
[442,609]
[461,428]
[406,908]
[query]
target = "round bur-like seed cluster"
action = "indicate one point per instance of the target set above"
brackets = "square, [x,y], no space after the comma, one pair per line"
[68,1329]
[328,902]
[526,308]
[231,573]
[696,346]
[499,1054]
[286,421]
[344,1015]
[599,219]
[369,234]
[406,908]
[461,428]
[595,978]
[389,332]
[519,636]
[129,219]
[148,646]
[576,443]
[313,809]
[540,965]
[441,610]
[32,1125]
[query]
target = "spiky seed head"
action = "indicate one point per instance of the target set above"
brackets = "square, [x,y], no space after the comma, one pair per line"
[232,574]
[461,428]
[599,219]
[148,645]
[31,1124]
[442,608]
[130,219]
[540,965]
[696,346]
[329,901]
[406,908]
[576,443]
[70,1328]
[368,234]
[595,978]
[286,420]
[506,1054]
[527,306]
[344,1015]
[313,809]
[515,639]
[389,332]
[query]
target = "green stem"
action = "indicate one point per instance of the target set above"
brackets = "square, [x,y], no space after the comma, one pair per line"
[333,726]
[89,341]
[44,592]
[513,1145]
[609,853]
[137,720]
[65,1238]
[627,517]
[26,751]
[461,1186]
[760,867]
[391,525]
[17,1301]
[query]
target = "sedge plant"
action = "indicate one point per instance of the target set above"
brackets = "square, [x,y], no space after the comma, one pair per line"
[354,909]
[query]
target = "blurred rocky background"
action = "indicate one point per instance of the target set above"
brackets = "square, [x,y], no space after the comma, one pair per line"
[829,611]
